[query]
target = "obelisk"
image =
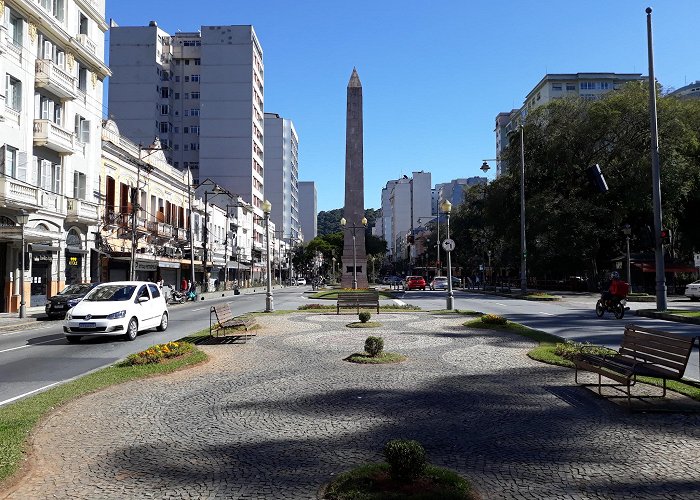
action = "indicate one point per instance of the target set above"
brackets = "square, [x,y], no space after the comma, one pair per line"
[354,210]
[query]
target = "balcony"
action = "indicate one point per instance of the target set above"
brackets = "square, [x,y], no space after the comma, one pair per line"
[21,194]
[52,202]
[160,229]
[141,225]
[52,78]
[47,133]
[81,211]
[85,41]
[182,234]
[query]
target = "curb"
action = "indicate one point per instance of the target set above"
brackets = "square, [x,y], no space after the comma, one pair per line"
[649,313]
[515,296]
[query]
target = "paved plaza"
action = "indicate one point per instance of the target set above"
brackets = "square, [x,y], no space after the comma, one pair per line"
[282,414]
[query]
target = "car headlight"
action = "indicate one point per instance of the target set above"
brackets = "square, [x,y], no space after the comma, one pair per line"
[117,315]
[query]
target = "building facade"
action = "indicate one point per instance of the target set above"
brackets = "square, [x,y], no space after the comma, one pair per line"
[690,91]
[52,67]
[202,94]
[282,175]
[308,210]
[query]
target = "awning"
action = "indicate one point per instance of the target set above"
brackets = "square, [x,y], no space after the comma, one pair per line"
[31,234]
[168,264]
[238,265]
[36,247]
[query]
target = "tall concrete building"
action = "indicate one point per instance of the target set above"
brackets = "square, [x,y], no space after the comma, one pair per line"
[308,210]
[455,191]
[52,68]
[282,186]
[202,94]
[588,86]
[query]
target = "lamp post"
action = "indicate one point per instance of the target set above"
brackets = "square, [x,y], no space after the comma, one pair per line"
[447,208]
[354,228]
[22,219]
[267,208]
[627,230]
[205,231]
[523,247]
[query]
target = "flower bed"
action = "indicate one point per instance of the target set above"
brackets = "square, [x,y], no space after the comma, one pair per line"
[157,353]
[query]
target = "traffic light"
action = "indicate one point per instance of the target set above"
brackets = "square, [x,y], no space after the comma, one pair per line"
[665,236]
[596,177]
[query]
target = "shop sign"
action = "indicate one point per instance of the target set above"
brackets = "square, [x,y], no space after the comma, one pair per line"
[170,265]
[41,257]
[72,261]
[148,266]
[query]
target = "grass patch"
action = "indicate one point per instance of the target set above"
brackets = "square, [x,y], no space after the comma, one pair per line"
[684,313]
[373,482]
[332,307]
[17,420]
[333,294]
[541,295]
[366,324]
[385,357]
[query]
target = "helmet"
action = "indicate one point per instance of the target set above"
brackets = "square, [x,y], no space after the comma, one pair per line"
[615,275]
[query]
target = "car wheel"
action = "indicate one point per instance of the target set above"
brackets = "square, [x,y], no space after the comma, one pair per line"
[132,330]
[163,323]
[599,309]
[73,339]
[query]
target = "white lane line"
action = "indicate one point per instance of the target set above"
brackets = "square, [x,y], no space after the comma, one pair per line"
[546,314]
[399,302]
[500,304]
[198,309]
[28,345]
[27,393]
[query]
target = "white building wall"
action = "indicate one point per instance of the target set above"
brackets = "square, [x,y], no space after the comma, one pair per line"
[308,210]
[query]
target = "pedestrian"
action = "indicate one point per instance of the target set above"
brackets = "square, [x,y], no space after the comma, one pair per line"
[184,286]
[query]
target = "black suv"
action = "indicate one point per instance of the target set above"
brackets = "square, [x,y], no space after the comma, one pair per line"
[58,305]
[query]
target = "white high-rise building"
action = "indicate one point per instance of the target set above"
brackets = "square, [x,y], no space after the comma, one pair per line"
[202,94]
[52,68]
[308,210]
[282,175]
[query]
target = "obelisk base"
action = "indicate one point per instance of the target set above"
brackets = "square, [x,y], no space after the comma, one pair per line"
[346,279]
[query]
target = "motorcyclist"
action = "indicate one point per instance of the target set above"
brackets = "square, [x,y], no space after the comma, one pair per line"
[616,291]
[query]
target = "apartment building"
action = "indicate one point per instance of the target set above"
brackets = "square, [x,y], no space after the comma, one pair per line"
[588,86]
[52,68]
[690,91]
[282,186]
[202,94]
[308,210]
[455,191]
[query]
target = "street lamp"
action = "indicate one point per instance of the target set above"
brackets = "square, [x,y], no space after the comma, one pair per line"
[217,190]
[447,208]
[354,228]
[627,230]
[22,219]
[267,208]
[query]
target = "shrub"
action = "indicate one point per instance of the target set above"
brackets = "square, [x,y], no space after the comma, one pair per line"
[304,307]
[493,319]
[374,346]
[569,349]
[157,353]
[406,459]
[364,316]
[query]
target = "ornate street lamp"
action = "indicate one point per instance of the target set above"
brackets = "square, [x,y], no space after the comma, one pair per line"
[354,228]
[22,219]
[267,208]
[447,208]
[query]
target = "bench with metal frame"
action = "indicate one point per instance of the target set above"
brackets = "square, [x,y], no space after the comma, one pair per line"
[225,320]
[357,300]
[644,352]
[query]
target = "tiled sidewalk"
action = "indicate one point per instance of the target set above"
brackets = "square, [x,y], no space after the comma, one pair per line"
[281,415]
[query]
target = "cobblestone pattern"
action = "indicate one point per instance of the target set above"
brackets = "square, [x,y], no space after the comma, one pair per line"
[282,414]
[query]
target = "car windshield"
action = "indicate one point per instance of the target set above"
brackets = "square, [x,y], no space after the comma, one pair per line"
[76,289]
[440,279]
[111,293]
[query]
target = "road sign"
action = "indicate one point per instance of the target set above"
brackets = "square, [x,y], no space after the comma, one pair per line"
[448,244]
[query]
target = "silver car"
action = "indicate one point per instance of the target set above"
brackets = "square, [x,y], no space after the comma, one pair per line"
[692,290]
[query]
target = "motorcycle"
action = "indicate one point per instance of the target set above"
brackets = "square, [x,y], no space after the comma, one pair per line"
[177,297]
[615,305]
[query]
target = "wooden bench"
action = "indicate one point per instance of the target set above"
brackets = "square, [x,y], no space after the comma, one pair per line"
[643,351]
[358,299]
[225,320]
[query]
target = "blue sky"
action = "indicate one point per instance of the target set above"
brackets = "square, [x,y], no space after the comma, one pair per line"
[434,74]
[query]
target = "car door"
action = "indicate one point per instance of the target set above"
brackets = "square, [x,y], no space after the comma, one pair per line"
[156,304]
[143,309]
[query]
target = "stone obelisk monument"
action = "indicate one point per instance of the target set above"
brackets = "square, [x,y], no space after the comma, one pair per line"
[354,210]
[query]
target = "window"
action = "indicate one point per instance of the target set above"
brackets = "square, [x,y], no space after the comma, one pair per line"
[164,127]
[82,24]
[176,129]
[164,109]
[15,27]
[604,85]
[82,129]
[570,86]
[194,112]
[9,165]
[187,95]
[194,146]
[556,86]
[177,95]
[186,147]
[82,77]
[53,7]
[187,78]
[194,129]
[154,291]
[587,86]
[164,92]
[187,62]
[47,175]
[176,147]
[49,110]
[195,95]
[79,185]
[186,130]
[13,92]
[197,62]
[195,78]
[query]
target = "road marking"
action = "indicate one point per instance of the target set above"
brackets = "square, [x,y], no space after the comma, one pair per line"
[546,314]
[28,345]
[500,304]
[198,309]
[399,302]
[27,394]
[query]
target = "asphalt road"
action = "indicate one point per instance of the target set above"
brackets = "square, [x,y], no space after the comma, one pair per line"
[36,359]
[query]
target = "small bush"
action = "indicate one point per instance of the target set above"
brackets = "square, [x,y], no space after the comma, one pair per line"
[374,346]
[406,459]
[305,307]
[493,319]
[157,353]
[569,349]
[364,316]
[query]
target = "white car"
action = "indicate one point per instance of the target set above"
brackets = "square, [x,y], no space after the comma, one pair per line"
[692,290]
[120,308]
[301,281]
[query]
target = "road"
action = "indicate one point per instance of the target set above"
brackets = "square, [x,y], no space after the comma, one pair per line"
[572,318]
[36,359]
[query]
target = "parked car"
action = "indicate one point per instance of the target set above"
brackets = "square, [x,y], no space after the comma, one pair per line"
[415,283]
[301,281]
[120,308]
[692,290]
[439,283]
[58,305]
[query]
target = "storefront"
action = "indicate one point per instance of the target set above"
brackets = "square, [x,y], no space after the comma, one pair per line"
[146,270]
[75,258]
[42,258]
[169,273]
